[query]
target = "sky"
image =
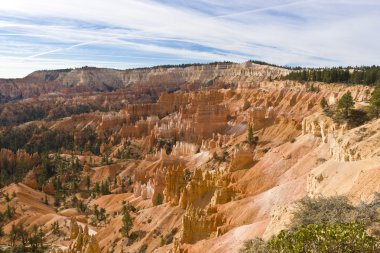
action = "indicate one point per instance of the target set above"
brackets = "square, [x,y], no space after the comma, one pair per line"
[56,34]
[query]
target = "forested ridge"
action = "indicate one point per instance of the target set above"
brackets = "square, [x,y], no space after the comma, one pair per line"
[349,75]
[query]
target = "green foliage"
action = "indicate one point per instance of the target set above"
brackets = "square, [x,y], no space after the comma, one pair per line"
[35,139]
[251,139]
[334,210]
[28,113]
[127,223]
[224,156]
[362,75]
[89,140]
[344,113]
[36,240]
[187,175]
[337,238]
[375,101]
[215,156]
[88,182]
[46,201]
[97,187]
[21,241]
[322,225]
[9,212]
[55,228]
[100,214]
[250,136]
[159,199]
[57,200]
[312,88]
[104,188]
[143,248]
[12,171]
[168,239]
[357,118]
[324,104]
[106,160]
[345,104]
[128,207]
[81,207]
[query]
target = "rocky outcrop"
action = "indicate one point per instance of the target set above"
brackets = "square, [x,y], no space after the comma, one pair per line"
[174,184]
[223,194]
[321,126]
[242,160]
[184,149]
[196,191]
[199,224]
[81,240]
[345,145]
[144,190]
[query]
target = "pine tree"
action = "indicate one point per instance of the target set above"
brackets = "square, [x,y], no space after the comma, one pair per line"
[345,104]
[55,228]
[250,137]
[127,223]
[324,103]
[97,188]
[88,182]
[375,101]
[13,235]
[159,199]
[104,188]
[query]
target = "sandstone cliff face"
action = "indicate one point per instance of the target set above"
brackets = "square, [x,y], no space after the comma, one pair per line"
[345,145]
[137,80]
[199,224]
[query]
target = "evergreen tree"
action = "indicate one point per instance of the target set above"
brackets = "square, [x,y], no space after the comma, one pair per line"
[345,104]
[55,228]
[36,239]
[250,137]
[324,103]
[9,212]
[159,199]
[13,235]
[375,101]
[127,223]
[104,188]
[123,186]
[57,200]
[88,182]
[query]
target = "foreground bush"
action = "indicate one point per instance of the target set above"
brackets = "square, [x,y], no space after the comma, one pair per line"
[334,210]
[325,225]
[337,238]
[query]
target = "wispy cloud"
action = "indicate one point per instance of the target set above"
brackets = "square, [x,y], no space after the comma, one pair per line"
[121,34]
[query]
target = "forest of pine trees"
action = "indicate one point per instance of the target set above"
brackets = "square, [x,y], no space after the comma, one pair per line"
[362,75]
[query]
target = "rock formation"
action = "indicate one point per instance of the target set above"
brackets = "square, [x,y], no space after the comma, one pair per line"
[199,224]
[81,240]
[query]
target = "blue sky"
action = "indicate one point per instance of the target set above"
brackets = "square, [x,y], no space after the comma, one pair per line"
[51,34]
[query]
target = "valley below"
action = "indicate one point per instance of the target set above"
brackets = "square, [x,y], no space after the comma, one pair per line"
[198,158]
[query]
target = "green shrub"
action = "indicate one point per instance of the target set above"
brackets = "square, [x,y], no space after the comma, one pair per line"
[328,225]
[159,199]
[337,238]
[334,210]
